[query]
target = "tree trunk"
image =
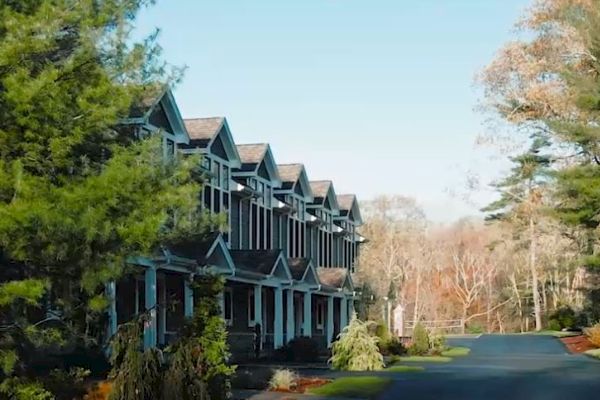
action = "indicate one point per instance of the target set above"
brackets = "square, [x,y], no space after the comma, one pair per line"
[417,292]
[537,310]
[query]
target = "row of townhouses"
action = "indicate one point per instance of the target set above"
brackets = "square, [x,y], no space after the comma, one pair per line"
[287,255]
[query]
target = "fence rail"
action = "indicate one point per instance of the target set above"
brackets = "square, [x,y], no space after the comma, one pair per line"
[448,326]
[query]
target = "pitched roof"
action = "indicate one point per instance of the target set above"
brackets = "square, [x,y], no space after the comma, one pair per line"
[289,172]
[203,128]
[255,261]
[196,250]
[346,201]
[252,153]
[148,98]
[320,188]
[333,277]
[298,267]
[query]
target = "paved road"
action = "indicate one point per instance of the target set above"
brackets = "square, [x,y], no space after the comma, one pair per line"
[504,367]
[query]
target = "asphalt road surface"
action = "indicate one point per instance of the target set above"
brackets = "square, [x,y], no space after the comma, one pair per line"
[504,367]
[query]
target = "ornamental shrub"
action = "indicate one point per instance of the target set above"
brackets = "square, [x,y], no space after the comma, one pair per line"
[283,379]
[356,349]
[420,341]
[593,334]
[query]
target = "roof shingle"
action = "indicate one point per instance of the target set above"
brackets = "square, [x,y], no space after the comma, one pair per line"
[252,153]
[320,188]
[298,267]
[332,277]
[289,172]
[346,201]
[256,261]
[203,128]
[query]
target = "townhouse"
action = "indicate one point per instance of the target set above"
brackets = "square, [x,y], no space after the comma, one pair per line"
[287,255]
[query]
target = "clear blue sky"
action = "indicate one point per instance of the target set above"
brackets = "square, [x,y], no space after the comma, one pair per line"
[375,95]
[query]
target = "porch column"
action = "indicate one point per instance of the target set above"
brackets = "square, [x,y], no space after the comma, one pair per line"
[150,305]
[278,320]
[188,296]
[329,320]
[162,309]
[351,307]
[258,310]
[111,293]
[291,316]
[343,313]
[307,323]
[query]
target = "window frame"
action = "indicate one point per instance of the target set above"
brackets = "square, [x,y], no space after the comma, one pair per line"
[228,292]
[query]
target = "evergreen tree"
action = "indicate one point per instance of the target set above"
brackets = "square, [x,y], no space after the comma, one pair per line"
[521,203]
[79,193]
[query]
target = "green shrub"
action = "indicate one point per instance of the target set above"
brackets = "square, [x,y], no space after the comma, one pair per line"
[420,341]
[566,318]
[356,349]
[301,349]
[438,344]
[382,331]
[474,329]
[554,325]
[136,374]
[392,346]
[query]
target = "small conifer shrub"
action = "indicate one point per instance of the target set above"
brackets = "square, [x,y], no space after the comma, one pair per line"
[356,349]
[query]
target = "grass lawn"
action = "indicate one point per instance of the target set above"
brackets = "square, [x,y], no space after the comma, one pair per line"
[431,359]
[364,387]
[456,352]
[594,353]
[404,368]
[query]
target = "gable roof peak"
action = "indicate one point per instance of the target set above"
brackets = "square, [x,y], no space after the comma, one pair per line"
[320,188]
[290,172]
[252,153]
[346,201]
[203,128]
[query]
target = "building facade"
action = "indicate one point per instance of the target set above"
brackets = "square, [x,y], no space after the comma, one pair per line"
[287,255]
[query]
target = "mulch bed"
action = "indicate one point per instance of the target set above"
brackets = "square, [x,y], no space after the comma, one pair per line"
[303,384]
[578,344]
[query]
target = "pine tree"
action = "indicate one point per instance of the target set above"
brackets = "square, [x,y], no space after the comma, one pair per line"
[521,203]
[78,193]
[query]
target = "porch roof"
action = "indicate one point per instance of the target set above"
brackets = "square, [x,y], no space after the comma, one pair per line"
[208,251]
[261,264]
[302,270]
[335,278]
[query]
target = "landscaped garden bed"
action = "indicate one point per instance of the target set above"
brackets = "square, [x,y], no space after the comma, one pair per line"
[578,344]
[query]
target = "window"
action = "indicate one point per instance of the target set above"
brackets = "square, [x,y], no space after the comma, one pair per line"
[228,306]
[170,148]
[206,163]
[217,201]
[268,195]
[251,307]
[320,314]
[261,189]
[225,178]
[216,172]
